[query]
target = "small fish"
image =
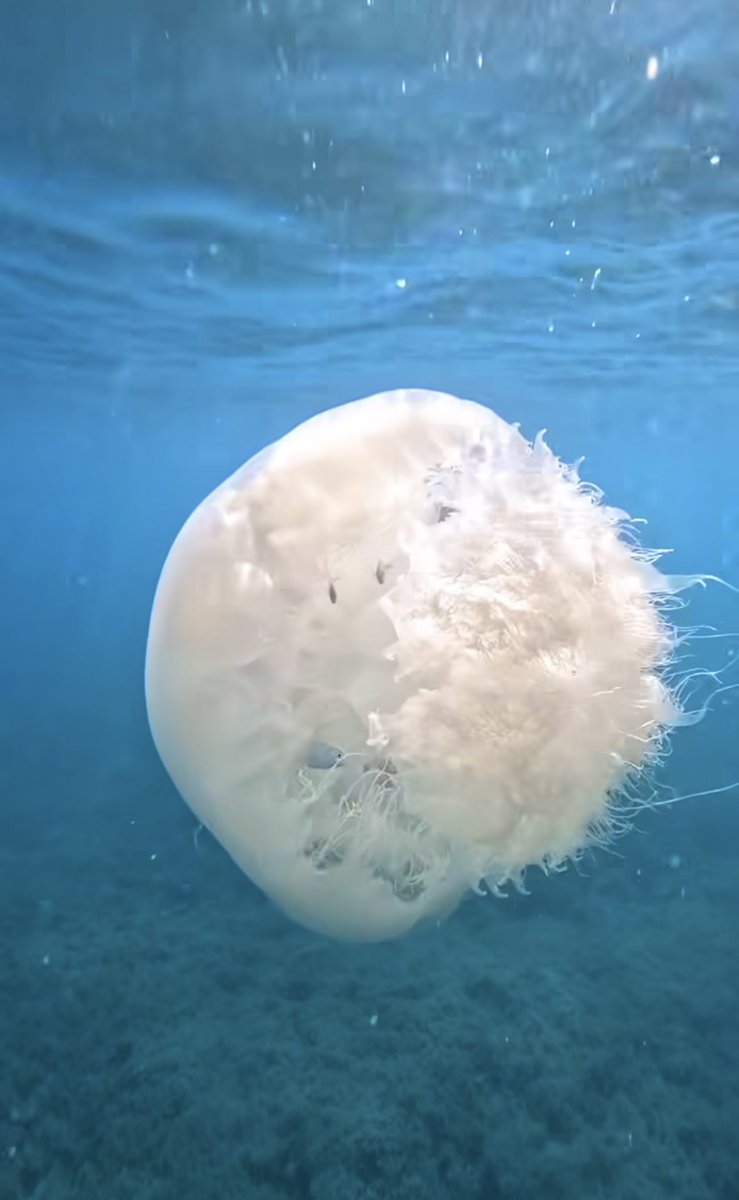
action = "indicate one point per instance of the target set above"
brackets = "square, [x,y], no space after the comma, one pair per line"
[380,571]
[321,757]
[332,593]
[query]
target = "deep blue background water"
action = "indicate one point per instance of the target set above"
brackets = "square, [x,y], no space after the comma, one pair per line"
[217,218]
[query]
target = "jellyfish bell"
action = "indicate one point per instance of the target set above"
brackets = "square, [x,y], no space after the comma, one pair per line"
[404,653]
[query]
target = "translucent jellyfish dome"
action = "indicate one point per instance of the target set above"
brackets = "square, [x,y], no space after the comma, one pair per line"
[401,654]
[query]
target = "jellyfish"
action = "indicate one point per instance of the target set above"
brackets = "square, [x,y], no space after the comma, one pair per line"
[403,655]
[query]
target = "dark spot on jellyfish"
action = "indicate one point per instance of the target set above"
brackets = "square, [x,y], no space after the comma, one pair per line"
[332,593]
[380,766]
[380,571]
[444,512]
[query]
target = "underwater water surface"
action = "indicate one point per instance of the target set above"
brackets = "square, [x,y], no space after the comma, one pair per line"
[217,219]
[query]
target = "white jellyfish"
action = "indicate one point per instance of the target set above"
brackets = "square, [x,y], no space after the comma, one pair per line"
[404,653]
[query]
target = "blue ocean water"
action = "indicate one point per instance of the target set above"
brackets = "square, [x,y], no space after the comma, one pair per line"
[218,218]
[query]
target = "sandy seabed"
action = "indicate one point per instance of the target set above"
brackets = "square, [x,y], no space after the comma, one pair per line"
[167,1033]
